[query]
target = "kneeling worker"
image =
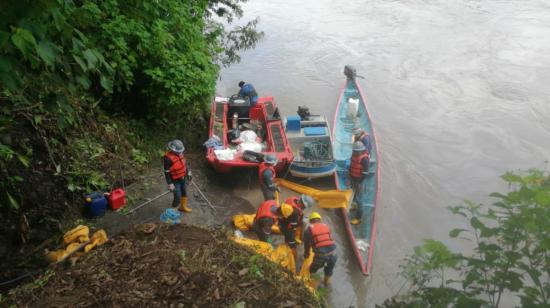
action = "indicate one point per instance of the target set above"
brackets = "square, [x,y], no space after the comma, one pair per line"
[264,220]
[300,204]
[318,237]
[289,219]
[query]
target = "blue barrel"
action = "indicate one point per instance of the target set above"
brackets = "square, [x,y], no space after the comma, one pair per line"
[96,204]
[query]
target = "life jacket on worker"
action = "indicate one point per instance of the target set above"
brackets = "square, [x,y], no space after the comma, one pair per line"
[296,204]
[262,168]
[356,168]
[178,169]
[265,210]
[321,235]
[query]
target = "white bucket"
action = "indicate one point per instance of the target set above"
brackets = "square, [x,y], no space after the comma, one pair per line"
[353,107]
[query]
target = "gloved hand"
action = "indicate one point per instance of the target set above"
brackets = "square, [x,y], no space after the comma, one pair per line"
[171,187]
[189,176]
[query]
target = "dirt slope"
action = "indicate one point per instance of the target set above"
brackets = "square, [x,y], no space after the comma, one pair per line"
[174,266]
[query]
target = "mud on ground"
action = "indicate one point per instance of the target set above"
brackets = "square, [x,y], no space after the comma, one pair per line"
[172,266]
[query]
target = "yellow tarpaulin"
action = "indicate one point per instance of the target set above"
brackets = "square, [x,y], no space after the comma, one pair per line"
[328,199]
[282,255]
[77,235]
[244,222]
[74,240]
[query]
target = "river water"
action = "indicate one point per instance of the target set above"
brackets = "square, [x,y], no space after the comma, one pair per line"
[458,91]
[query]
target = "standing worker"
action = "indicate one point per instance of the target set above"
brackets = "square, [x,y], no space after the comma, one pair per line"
[361,135]
[264,220]
[266,173]
[247,90]
[300,204]
[289,220]
[176,172]
[318,237]
[358,170]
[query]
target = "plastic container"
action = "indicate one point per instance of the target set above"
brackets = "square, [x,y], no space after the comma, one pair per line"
[95,204]
[117,199]
[353,107]
[293,123]
[171,216]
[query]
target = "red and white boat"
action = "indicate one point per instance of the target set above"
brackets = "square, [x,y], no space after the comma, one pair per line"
[265,121]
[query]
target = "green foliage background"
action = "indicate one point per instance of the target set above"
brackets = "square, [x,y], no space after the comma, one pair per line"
[64,64]
[89,88]
[510,257]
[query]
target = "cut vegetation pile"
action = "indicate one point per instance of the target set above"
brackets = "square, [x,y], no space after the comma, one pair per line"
[168,266]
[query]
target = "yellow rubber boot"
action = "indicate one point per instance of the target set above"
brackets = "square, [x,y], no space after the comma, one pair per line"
[183,205]
[298,234]
[327,281]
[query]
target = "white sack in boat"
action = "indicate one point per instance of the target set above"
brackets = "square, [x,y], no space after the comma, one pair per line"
[225,154]
[249,141]
[250,146]
[362,245]
[248,136]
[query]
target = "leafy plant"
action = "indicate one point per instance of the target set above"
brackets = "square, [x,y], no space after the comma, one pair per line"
[510,256]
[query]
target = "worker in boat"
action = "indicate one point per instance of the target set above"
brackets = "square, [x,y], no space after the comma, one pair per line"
[360,134]
[247,90]
[266,173]
[300,204]
[318,237]
[358,170]
[264,220]
[177,173]
[289,219]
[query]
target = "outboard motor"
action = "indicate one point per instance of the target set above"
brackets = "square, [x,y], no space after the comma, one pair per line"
[303,112]
[350,72]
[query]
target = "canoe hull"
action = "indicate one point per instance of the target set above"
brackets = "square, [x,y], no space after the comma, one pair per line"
[362,236]
[298,170]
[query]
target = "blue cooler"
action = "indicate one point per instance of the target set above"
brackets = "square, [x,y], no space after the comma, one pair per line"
[95,205]
[293,123]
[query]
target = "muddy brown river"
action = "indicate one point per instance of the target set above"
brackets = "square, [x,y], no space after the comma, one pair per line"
[458,91]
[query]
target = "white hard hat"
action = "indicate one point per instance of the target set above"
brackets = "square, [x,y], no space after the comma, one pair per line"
[176,146]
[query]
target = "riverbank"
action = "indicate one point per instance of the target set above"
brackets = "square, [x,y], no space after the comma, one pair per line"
[171,266]
[219,189]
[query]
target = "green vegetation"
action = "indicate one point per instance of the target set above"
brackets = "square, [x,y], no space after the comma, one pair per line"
[511,254]
[91,90]
[65,65]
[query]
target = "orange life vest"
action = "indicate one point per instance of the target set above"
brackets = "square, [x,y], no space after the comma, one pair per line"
[178,169]
[262,168]
[265,209]
[321,235]
[356,168]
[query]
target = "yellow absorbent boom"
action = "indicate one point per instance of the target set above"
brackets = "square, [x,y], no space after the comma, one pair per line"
[328,199]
